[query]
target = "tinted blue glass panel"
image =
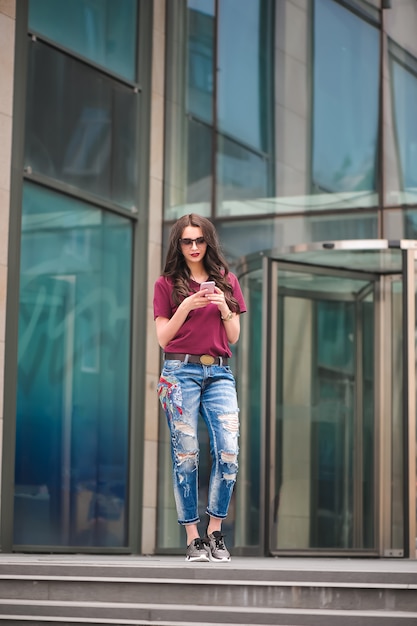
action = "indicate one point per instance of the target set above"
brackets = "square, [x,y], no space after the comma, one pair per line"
[200,58]
[405,100]
[241,48]
[104,32]
[199,183]
[79,126]
[73,374]
[241,174]
[345,101]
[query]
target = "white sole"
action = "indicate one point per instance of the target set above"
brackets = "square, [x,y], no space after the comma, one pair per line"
[201,558]
[214,560]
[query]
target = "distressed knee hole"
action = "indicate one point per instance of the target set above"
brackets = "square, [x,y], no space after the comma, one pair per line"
[230,421]
[229,476]
[187,456]
[184,428]
[228,457]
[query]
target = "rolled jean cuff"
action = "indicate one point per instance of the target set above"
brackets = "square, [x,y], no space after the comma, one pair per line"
[216,515]
[186,523]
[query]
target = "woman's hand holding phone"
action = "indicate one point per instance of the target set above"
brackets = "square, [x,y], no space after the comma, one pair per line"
[209,284]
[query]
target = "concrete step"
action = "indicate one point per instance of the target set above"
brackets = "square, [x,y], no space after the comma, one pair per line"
[176,615]
[121,591]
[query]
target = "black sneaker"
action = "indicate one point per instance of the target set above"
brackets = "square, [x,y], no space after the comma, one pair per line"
[197,551]
[218,551]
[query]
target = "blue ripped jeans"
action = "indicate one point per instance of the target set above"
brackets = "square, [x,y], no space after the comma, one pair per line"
[185,390]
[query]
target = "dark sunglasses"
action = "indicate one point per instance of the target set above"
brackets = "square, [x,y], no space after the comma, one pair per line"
[189,242]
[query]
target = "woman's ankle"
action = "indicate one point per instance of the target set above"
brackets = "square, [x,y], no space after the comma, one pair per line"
[192,533]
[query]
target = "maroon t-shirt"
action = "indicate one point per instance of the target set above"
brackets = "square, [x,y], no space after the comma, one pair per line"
[203,331]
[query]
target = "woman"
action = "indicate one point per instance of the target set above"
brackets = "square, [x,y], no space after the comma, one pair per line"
[194,328]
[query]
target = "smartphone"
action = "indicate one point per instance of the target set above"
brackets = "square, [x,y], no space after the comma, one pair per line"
[208,285]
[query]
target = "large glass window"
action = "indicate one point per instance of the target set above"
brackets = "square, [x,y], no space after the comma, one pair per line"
[200,58]
[345,105]
[220,147]
[79,127]
[404,83]
[103,31]
[289,96]
[244,103]
[73,374]
[400,129]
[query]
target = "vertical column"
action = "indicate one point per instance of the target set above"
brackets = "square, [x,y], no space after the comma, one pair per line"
[7,42]
[154,263]
[409,403]
[293,528]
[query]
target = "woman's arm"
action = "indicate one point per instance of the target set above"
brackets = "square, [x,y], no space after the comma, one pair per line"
[232,327]
[166,329]
[230,320]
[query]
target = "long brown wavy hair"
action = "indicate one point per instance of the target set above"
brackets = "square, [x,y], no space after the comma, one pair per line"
[214,262]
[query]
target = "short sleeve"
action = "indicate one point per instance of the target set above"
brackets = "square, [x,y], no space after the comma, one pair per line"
[237,292]
[162,302]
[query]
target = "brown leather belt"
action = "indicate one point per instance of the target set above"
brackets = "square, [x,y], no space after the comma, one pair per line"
[203,359]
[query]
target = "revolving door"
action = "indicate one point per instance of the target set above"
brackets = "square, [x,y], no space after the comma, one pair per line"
[332,327]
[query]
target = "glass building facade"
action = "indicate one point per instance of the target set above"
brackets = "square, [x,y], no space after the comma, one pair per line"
[286,122]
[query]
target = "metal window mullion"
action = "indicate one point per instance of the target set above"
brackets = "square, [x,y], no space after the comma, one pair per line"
[409,404]
[383,359]
[357,460]
[214,143]
[268,397]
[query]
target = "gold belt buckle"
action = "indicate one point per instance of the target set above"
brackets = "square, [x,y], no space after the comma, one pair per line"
[207,359]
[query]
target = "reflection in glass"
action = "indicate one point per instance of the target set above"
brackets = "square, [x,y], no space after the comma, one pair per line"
[200,180]
[400,133]
[104,32]
[324,476]
[397,419]
[242,95]
[404,80]
[244,104]
[241,174]
[200,81]
[345,103]
[79,127]
[220,130]
[243,237]
[248,522]
[73,374]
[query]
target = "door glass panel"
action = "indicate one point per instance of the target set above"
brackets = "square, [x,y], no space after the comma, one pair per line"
[396,426]
[323,481]
[248,487]
[400,472]
[72,423]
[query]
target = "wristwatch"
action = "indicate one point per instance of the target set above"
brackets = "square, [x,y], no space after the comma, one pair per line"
[228,317]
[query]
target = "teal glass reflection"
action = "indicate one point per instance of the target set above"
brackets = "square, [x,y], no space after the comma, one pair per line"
[242,59]
[244,237]
[72,452]
[325,481]
[104,32]
[80,126]
[242,174]
[248,520]
[345,103]
[199,152]
[200,58]
[405,101]
[244,104]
